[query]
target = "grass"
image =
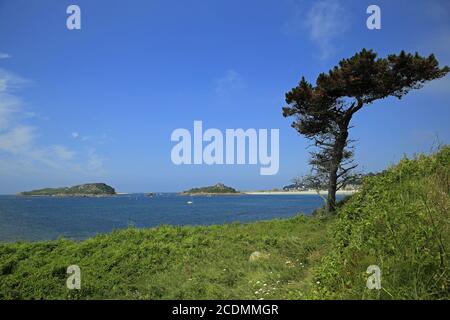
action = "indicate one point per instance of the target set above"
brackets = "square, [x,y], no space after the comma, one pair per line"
[398,221]
[170,262]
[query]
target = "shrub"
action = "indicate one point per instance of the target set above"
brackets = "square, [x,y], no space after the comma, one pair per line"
[400,222]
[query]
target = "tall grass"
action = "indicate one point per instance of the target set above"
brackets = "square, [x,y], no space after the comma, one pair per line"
[400,222]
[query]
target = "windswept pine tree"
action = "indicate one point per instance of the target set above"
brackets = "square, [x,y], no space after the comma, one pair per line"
[323,112]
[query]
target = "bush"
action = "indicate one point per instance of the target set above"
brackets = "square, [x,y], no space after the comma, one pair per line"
[400,222]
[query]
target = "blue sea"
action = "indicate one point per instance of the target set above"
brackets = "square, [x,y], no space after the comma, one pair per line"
[47,218]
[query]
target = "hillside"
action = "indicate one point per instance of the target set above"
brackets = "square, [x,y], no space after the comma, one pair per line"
[89,189]
[399,221]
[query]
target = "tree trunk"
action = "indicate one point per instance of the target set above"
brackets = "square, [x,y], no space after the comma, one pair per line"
[332,188]
[338,152]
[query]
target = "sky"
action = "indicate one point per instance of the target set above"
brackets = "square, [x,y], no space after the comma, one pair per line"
[99,104]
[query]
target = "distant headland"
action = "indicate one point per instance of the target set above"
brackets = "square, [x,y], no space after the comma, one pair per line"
[83,190]
[217,189]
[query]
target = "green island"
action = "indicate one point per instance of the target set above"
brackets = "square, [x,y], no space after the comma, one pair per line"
[88,189]
[399,220]
[216,189]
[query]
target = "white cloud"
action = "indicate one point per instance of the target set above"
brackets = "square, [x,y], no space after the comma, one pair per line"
[20,150]
[97,139]
[4,55]
[9,106]
[231,82]
[17,139]
[323,21]
[9,81]
[95,162]
[326,20]
[3,86]
[63,153]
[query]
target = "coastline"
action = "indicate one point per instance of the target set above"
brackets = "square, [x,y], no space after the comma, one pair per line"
[63,195]
[209,194]
[307,192]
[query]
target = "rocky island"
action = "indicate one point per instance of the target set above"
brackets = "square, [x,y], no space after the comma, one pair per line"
[218,189]
[83,190]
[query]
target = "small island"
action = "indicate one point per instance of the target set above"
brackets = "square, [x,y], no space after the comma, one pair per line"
[218,189]
[83,190]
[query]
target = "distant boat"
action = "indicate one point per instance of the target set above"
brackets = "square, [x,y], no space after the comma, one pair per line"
[190,202]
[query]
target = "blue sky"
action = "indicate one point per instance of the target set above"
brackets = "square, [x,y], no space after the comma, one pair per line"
[100,103]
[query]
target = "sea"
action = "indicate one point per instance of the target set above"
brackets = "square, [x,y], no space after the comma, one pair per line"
[36,218]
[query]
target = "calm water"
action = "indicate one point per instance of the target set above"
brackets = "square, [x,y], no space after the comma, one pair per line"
[45,218]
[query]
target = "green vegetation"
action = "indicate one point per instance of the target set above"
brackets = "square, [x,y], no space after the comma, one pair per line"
[169,262]
[398,221]
[219,188]
[89,189]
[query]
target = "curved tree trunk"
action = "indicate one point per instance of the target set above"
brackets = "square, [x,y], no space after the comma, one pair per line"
[332,188]
[338,153]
